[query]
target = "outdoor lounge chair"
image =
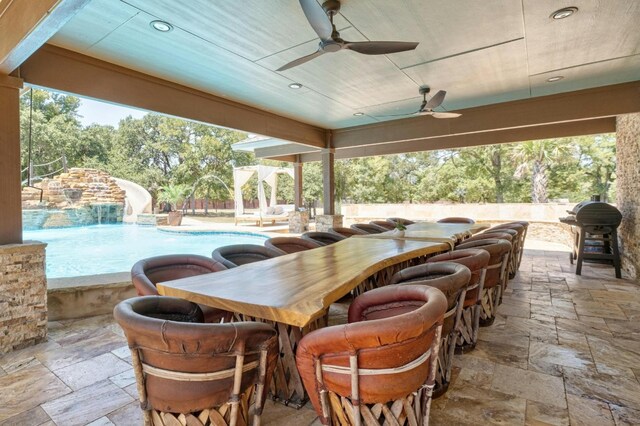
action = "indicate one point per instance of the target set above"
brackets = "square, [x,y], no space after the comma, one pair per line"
[287,245]
[240,254]
[381,365]
[187,371]
[323,238]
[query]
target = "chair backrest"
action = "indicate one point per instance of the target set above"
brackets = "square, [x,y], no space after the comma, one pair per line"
[383,224]
[369,228]
[499,256]
[493,235]
[476,260]
[185,367]
[286,245]
[146,273]
[396,220]
[456,220]
[346,232]
[323,238]
[240,254]
[388,349]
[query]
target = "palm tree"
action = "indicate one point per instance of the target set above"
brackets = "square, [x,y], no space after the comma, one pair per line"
[537,157]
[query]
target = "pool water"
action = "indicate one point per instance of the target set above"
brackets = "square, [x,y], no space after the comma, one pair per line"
[100,249]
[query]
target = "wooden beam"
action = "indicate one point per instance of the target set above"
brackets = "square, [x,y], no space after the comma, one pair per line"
[26,25]
[559,130]
[328,181]
[281,150]
[10,180]
[63,70]
[297,183]
[606,101]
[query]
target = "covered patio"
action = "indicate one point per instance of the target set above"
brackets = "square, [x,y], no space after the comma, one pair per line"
[564,349]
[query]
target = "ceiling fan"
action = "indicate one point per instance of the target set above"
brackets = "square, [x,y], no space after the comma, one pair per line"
[426,107]
[321,19]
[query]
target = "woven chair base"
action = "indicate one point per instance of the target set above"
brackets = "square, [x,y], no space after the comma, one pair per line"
[468,336]
[490,300]
[220,416]
[445,362]
[407,410]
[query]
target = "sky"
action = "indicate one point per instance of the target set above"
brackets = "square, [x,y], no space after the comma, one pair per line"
[103,113]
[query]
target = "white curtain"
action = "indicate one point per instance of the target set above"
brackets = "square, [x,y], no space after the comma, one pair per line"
[265,174]
[240,176]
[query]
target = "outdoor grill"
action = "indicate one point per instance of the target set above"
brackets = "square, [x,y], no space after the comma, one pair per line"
[595,226]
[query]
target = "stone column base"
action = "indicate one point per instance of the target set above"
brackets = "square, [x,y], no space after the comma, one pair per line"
[23,295]
[298,222]
[326,221]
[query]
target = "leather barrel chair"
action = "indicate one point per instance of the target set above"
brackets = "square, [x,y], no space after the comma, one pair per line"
[388,226]
[286,245]
[521,229]
[477,261]
[323,238]
[456,220]
[502,234]
[368,228]
[191,370]
[146,273]
[384,357]
[240,254]
[452,279]
[494,278]
[346,232]
[396,220]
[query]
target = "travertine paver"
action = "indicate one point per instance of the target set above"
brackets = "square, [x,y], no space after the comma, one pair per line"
[564,349]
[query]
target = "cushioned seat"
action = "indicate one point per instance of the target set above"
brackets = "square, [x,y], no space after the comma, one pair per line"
[396,220]
[323,238]
[383,224]
[369,228]
[452,279]
[286,245]
[494,278]
[456,220]
[385,357]
[346,232]
[186,369]
[477,261]
[146,273]
[241,254]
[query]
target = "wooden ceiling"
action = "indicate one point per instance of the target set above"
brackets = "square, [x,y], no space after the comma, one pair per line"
[481,52]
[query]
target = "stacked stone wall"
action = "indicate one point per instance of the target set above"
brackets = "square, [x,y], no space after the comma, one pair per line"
[23,295]
[628,189]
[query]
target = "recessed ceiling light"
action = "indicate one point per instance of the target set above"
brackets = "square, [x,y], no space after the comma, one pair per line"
[564,12]
[162,26]
[295,86]
[554,79]
[358,114]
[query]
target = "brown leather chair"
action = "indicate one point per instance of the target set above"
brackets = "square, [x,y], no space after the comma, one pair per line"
[146,273]
[477,261]
[240,254]
[184,367]
[346,232]
[518,244]
[369,228]
[388,226]
[286,245]
[452,279]
[323,238]
[495,277]
[396,220]
[456,220]
[386,355]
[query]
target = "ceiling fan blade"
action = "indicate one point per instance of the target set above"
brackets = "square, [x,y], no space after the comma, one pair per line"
[301,60]
[380,47]
[318,18]
[436,100]
[399,115]
[437,114]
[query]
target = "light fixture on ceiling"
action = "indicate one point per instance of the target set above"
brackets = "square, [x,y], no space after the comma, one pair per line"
[162,26]
[565,12]
[295,86]
[554,79]
[358,114]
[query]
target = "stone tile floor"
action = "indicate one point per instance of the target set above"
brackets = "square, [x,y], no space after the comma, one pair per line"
[563,350]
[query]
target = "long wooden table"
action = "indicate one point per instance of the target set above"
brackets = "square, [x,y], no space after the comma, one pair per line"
[295,291]
[450,233]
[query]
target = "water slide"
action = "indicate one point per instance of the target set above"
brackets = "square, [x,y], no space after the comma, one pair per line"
[137,200]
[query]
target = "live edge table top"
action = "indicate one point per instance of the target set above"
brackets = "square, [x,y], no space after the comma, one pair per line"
[297,288]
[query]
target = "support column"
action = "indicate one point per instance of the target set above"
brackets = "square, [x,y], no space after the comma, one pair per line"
[298,220]
[10,183]
[329,219]
[297,183]
[628,190]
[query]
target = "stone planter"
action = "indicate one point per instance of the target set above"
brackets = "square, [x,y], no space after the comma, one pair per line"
[174,218]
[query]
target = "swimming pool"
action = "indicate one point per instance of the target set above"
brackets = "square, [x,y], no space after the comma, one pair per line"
[100,249]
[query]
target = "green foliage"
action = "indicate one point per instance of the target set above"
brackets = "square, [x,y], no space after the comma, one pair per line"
[173,195]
